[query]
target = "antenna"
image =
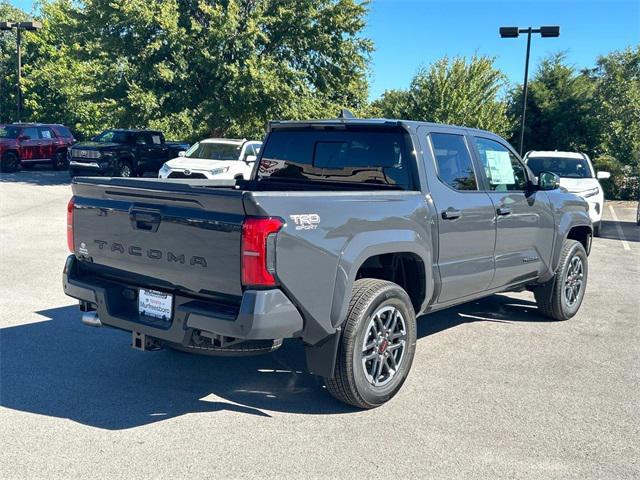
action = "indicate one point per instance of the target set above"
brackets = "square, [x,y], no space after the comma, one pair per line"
[344,113]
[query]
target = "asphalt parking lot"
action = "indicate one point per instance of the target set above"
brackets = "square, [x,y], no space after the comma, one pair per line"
[496,391]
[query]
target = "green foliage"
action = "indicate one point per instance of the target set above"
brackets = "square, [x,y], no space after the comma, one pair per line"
[453,91]
[560,114]
[8,62]
[195,68]
[617,103]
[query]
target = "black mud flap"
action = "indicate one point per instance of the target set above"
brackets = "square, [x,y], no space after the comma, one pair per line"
[321,358]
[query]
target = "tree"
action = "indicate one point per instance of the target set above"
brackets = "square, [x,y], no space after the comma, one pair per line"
[617,104]
[560,113]
[8,68]
[195,67]
[453,91]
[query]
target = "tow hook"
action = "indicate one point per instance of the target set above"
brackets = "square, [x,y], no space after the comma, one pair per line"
[144,343]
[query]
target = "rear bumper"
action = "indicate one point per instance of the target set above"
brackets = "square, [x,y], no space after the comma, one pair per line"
[262,314]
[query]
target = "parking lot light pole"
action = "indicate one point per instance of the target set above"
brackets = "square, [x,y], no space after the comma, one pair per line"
[514,32]
[19,26]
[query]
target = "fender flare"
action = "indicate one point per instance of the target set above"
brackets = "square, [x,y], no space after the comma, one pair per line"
[568,221]
[368,244]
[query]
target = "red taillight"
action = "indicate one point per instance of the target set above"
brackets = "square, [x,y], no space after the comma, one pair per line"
[255,236]
[70,225]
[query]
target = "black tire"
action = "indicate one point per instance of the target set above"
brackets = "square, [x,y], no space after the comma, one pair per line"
[551,297]
[125,169]
[10,162]
[596,229]
[638,214]
[60,160]
[351,382]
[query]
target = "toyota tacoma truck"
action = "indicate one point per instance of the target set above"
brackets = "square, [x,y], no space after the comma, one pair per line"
[123,153]
[346,232]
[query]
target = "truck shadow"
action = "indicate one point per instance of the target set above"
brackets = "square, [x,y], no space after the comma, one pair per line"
[63,369]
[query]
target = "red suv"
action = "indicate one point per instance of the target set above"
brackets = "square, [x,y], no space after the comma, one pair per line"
[27,144]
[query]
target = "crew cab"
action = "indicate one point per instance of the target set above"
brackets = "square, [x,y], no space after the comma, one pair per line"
[29,144]
[123,153]
[215,159]
[346,232]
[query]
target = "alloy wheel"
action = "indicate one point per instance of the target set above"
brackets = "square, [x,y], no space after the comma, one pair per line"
[383,346]
[573,281]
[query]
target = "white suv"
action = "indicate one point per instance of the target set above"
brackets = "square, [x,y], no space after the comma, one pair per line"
[576,175]
[215,159]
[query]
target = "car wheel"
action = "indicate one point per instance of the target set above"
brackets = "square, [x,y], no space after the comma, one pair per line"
[60,161]
[10,162]
[125,169]
[560,298]
[596,229]
[377,345]
[638,214]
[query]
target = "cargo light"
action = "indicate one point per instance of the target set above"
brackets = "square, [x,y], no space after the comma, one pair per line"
[70,205]
[258,236]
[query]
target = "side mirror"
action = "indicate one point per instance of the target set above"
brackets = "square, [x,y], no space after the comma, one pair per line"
[250,158]
[182,153]
[603,175]
[548,181]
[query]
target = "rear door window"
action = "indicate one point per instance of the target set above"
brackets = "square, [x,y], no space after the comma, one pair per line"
[379,157]
[453,161]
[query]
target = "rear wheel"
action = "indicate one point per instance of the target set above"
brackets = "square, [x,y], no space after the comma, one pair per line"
[10,162]
[596,229]
[560,298]
[60,161]
[377,345]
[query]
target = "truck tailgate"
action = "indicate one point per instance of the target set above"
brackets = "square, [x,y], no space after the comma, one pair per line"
[169,233]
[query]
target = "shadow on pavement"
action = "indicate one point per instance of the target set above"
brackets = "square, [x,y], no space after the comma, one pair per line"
[63,369]
[40,175]
[630,230]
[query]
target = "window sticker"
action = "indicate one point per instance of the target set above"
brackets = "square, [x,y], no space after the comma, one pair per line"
[499,168]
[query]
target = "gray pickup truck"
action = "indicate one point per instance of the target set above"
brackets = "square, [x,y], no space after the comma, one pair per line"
[347,230]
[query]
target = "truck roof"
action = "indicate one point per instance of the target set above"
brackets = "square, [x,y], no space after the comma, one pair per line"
[378,122]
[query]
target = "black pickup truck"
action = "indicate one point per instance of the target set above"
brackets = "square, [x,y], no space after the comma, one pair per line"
[346,232]
[123,153]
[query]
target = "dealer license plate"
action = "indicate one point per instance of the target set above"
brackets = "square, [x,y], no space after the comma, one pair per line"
[152,303]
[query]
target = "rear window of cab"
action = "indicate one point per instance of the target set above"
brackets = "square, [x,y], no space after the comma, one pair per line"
[377,157]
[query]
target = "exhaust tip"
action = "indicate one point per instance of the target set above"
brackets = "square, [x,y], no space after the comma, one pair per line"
[91,319]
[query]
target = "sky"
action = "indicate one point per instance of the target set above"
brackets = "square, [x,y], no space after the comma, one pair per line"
[409,34]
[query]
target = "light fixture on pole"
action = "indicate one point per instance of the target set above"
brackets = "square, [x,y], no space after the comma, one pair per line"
[19,27]
[514,32]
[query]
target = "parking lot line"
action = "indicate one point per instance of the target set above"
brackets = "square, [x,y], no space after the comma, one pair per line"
[623,240]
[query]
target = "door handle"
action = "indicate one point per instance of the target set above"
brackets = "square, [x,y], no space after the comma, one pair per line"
[503,211]
[451,214]
[143,220]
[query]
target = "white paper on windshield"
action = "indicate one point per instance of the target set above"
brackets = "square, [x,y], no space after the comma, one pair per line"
[500,169]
